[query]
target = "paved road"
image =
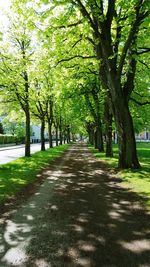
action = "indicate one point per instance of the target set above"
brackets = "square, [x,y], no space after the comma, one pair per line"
[8,154]
[80,216]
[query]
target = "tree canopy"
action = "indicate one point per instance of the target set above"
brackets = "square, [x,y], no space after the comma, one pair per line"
[77,66]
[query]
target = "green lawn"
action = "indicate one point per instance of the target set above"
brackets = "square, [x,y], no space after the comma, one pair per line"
[21,172]
[136,180]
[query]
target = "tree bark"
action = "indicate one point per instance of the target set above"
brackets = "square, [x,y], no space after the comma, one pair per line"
[42,135]
[68,134]
[90,131]
[50,120]
[56,130]
[60,131]
[108,127]
[95,111]
[95,140]
[27,136]
[60,135]
[64,137]
[126,137]
[119,102]
[50,134]
[91,136]
[97,117]
[99,136]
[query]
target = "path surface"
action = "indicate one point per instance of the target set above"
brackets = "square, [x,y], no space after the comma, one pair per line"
[79,217]
[8,154]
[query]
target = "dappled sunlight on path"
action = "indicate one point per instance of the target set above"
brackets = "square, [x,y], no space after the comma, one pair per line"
[79,217]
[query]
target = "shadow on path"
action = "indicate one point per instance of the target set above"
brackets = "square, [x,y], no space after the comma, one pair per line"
[79,217]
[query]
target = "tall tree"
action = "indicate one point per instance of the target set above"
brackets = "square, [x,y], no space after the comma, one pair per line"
[1,128]
[115,27]
[16,59]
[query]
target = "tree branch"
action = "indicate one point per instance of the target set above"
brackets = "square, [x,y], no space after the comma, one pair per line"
[130,74]
[99,7]
[140,103]
[143,50]
[126,47]
[110,11]
[142,62]
[86,14]
[76,56]
[70,25]
[36,114]
[134,27]
[78,41]
[90,40]
[93,72]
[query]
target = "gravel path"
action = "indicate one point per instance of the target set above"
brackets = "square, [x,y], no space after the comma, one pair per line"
[79,217]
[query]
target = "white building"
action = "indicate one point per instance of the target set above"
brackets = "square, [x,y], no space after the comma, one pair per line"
[36,134]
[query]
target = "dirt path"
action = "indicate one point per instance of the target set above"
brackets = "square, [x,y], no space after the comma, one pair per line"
[79,217]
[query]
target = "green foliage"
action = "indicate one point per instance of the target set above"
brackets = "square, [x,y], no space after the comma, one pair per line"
[139,181]
[60,63]
[14,128]
[7,139]
[16,175]
[136,180]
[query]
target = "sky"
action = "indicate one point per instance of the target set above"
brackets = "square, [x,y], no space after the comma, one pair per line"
[4,8]
[4,4]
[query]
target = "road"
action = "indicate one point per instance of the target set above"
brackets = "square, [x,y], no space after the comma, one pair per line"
[8,154]
[80,216]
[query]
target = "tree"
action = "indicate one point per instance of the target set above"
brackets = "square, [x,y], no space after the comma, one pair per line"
[39,110]
[84,41]
[15,125]
[115,28]
[1,128]
[16,59]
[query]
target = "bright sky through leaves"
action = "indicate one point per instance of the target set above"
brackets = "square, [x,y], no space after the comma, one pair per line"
[4,9]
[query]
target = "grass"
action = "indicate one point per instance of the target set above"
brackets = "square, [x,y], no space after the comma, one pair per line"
[17,174]
[136,180]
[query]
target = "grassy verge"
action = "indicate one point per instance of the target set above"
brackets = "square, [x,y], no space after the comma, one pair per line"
[21,172]
[136,180]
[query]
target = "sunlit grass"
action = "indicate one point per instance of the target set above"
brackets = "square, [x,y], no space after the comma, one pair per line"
[136,180]
[21,172]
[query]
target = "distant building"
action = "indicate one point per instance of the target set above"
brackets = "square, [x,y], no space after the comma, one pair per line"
[36,134]
[143,136]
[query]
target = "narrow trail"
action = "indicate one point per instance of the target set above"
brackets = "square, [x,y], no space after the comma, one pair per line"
[79,217]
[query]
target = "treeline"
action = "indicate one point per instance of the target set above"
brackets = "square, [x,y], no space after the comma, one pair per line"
[81,67]
[8,139]
[116,32]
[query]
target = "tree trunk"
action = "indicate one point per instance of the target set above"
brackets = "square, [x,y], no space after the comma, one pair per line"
[50,134]
[64,138]
[126,137]
[42,135]
[73,138]
[91,136]
[60,135]
[90,131]
[95,140]
[97,117]
[27,137]
[108,127]
[56,129]
[68,134]
[99,136]
[109,150]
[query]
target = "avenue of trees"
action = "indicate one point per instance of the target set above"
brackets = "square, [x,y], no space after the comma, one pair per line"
[78,66]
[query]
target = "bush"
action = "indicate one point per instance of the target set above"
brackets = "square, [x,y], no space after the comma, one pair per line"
[7,139]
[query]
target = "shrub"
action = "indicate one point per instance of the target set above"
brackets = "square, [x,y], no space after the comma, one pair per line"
[7,139]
